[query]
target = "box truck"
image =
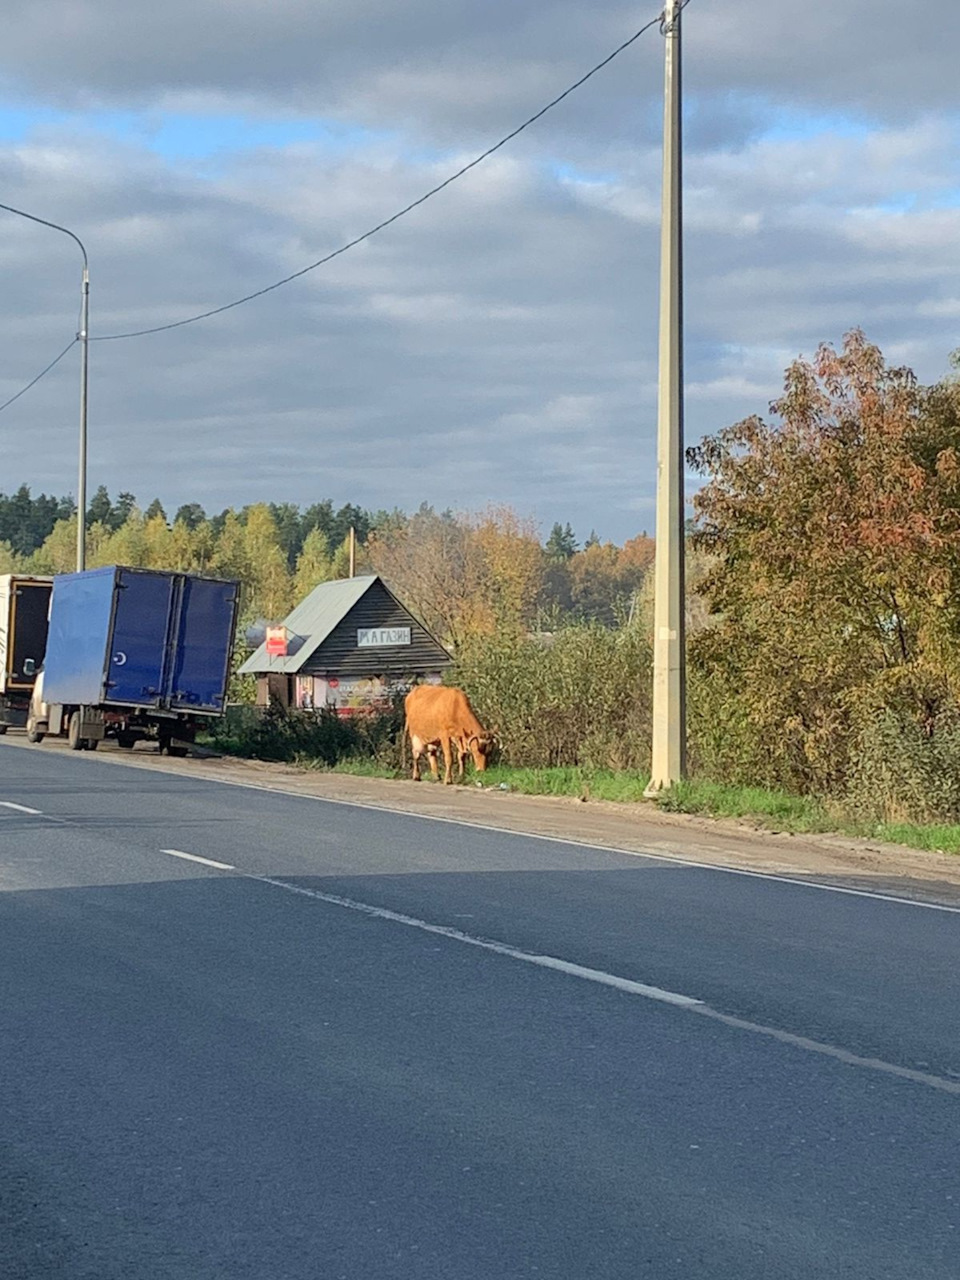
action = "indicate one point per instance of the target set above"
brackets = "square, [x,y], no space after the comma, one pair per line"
[24,604]
[134,654]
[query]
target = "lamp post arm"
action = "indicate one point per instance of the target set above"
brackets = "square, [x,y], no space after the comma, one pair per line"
[55,225]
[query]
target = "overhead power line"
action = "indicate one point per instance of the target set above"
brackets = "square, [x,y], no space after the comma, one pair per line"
[42,374]
[428,195]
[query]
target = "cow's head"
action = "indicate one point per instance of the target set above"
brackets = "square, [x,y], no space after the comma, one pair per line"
[481,747]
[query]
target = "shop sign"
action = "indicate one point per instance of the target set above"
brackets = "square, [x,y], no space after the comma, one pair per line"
[382,637]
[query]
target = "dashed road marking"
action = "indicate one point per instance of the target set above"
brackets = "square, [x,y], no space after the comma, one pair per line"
[193,857]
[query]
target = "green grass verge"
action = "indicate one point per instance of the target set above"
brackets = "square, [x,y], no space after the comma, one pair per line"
[358,766]
[710,798]
[936,837]
[776,808]
[600,784]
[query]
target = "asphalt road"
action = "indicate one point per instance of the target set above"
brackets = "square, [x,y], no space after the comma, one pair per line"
[370,1045]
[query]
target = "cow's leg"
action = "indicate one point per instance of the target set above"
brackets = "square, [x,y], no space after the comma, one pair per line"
[447,745]
[416,746]
[432,757]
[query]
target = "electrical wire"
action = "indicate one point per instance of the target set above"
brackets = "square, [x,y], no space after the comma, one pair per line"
[351,244]
[42,374]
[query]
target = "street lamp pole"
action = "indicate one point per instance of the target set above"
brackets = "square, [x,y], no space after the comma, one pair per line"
[83,337]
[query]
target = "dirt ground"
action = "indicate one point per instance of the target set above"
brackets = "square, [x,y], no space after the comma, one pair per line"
[838,860]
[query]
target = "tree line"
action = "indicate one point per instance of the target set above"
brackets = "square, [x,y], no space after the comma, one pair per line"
[464,573]
[26,521]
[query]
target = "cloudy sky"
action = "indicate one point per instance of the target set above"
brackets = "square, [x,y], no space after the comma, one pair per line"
[499,343]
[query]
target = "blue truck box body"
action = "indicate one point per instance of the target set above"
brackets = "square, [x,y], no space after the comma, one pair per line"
[140,638]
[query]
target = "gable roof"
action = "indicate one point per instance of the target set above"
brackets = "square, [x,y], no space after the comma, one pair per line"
[310,623]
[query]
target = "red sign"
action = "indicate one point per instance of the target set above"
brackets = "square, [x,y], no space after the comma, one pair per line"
[277,641]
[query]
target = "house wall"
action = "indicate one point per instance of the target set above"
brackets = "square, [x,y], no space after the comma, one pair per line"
[344,695]
[348,694]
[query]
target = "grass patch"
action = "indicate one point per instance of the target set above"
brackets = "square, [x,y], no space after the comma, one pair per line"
[358,766]
[934,837]
[718,800]
[800,813]
[588,784]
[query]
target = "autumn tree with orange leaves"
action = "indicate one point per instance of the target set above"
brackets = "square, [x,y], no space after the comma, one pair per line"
[834,532]
[465,575]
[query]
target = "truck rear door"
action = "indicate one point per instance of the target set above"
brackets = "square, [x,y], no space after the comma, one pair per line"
[31,606]
[138,657]
[204,643]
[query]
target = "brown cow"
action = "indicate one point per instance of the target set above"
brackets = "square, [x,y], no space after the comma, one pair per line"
[441,719]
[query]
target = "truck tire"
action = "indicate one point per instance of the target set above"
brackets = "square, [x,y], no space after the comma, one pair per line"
[33,733]
[74,741]
[3,730]
[91,744]
[178,753]
[126,740]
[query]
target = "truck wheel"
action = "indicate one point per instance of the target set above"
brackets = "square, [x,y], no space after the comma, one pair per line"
[74,741]
[126,740]
[91,744]
[33,733]
[3,730]
[178,753]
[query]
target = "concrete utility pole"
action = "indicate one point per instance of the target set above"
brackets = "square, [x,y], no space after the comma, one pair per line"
[668,763]
[83,337]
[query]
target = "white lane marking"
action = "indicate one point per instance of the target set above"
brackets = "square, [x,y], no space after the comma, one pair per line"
[689,1003]
[486,944]
[193,857]
[674,858]
[20,808]
[831,1050]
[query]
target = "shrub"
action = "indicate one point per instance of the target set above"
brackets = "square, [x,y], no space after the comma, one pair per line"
[902,771]
[579,697]
[319,736]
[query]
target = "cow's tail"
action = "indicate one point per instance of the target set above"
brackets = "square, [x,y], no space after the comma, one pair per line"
[404,734]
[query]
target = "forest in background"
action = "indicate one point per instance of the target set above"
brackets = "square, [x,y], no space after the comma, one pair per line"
[464,574]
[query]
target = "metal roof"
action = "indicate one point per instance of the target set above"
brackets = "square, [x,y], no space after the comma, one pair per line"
[309,625]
